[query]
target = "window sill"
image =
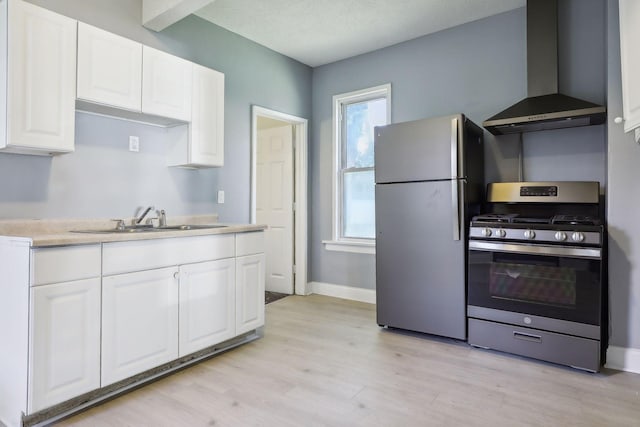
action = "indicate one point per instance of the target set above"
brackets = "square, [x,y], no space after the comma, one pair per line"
[353,246]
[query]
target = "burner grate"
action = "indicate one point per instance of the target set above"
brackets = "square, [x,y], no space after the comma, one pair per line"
[532,220]
[493,217]
[575,220]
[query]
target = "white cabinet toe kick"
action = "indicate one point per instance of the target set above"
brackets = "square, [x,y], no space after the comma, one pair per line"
[89,322]
[95,397]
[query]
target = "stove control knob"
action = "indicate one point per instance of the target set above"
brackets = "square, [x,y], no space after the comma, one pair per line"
[486,232]
[577,236]
[561,236]
[529,234]
[501,233]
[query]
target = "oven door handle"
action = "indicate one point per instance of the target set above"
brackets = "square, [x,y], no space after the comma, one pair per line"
[587,253]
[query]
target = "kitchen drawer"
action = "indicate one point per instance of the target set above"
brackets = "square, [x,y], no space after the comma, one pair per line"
[568,350]
[64,264]
[249,243]
[138,255]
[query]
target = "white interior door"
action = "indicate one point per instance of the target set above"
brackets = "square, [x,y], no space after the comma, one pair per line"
[274,204]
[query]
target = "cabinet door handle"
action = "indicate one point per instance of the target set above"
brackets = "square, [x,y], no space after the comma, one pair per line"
[176,275]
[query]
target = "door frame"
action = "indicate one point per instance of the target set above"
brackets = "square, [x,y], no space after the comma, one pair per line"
[300,179]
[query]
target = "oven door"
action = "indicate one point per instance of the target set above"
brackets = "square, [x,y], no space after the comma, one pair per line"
[555,282]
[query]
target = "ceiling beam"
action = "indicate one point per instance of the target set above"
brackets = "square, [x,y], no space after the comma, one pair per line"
[159,14]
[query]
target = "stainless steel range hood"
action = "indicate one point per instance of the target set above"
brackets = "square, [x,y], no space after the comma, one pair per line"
[544,108]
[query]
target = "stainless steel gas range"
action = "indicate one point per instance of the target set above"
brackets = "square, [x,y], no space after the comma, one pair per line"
[535,274]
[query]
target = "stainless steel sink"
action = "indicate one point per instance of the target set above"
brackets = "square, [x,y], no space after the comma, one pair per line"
[189,227]
[118,230]
[142,229]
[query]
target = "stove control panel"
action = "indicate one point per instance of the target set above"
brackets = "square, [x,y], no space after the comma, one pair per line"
[566,236]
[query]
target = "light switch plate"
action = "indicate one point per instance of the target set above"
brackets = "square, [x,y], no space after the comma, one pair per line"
[134,144]
[220,196]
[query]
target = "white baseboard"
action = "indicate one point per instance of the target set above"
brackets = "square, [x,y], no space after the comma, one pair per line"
[344,292]
[623,359]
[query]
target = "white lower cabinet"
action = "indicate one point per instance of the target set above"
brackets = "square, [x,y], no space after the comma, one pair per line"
[207,304]
[250,271]
[65,342]
[139,322]
[84,317]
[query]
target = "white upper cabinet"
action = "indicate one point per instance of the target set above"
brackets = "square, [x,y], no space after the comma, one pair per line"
[166,85]
[202,143]
[122,78]
[51,66]
[207,121]
[109,68]
[629,42]
[38,79]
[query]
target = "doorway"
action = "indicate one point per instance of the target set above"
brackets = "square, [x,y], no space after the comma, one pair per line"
[279,196]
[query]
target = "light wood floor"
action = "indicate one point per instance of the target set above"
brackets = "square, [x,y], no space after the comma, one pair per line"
[325,362]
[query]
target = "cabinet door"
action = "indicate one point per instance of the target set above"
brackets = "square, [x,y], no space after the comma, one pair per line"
[41,81]
[249,293]
[629,40]
[166,85]
[109,68]
[65,342]
[207,117]
[207,304]
[139,322]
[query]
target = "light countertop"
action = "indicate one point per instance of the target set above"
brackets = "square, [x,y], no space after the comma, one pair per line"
[58,232]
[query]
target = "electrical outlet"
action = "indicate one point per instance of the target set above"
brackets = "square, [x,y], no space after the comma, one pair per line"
[220,196]
[134,144]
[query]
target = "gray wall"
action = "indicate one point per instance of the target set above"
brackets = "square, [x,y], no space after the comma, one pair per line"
[478,69]
[103,179]
[623,206]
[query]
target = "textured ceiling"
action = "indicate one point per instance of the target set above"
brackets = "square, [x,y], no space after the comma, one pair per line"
[317,32]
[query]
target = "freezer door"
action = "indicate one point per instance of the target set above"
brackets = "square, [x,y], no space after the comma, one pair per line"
[420,267]
[421,150]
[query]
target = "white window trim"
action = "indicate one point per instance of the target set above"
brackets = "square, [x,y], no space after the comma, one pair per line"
[366,246]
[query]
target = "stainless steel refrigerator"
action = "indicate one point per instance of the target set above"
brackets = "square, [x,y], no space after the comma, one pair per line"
[429,182]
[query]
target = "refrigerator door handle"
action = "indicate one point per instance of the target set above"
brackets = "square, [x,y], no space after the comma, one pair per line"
[455,208]
[454,148]
[455,199]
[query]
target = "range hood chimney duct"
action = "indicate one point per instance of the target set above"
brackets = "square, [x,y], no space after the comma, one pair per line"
[544,108]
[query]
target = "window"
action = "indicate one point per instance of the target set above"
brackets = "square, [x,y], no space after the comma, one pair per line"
[355,114]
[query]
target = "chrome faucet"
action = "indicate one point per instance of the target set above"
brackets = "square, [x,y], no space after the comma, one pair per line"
[162,218]
[139,219]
